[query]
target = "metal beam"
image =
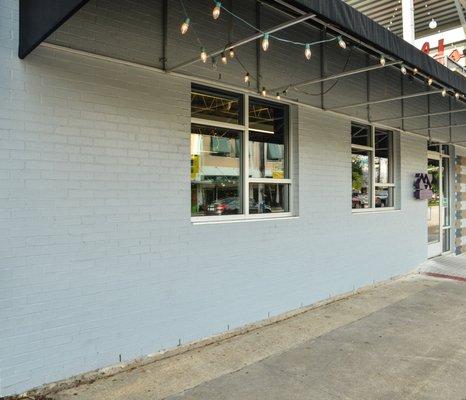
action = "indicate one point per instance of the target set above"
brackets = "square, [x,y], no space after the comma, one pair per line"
[407,11]
[440,127]
[258,48]
[246,40]
[164,33]
[420,115]
[460,7]
[338,76]
[408,96]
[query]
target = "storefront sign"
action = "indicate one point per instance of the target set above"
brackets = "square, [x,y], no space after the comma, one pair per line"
[423,187]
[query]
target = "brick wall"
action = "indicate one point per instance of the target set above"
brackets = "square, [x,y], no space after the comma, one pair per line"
[98,257]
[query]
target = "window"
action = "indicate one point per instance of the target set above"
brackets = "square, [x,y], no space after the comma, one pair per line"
[372,167]
[239,155]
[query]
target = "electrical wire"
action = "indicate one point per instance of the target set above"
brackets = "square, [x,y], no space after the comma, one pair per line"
[192,27]
[333,84]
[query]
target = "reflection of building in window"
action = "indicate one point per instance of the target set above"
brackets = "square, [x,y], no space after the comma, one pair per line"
[372,167]
[218,182]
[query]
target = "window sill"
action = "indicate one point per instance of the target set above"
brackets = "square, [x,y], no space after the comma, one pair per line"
[374,210]
[249,218]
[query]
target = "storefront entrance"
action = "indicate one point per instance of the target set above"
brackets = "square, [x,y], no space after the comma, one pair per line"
[438,210]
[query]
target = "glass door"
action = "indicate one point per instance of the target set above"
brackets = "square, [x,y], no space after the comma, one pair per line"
[434,206]
[446,211]
[439,207]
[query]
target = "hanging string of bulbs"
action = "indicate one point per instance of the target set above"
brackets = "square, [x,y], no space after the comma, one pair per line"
[265,44]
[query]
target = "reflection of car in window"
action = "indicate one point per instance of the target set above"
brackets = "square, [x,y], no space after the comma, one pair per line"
[231,205]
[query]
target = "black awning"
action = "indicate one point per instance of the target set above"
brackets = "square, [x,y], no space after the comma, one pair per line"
[40,18]
[340,14]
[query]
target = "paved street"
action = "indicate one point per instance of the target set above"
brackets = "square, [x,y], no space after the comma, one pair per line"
[403,340]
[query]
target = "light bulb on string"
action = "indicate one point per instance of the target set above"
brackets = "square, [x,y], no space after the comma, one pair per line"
[185,26]
[231,52]
[307,51]
[444,92]
[265,42]
[457,96]
[224,58]
[216,10]
[341,42]
[433,24]
[403,70]
[264,91]
[247,77]
[278,96]
[430,81]
[415,71]
[382,60]
[203,55]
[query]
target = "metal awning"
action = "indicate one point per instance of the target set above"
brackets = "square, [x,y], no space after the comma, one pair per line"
[334,18]
[343,17]
[39,19]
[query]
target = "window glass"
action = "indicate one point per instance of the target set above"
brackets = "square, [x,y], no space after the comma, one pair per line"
[219,182]
[446,240]
[215,105]
[215,171]
[446,190]
[361,177]
[267,145]
[383,149]
[383,197]
[361,135]
[268,198]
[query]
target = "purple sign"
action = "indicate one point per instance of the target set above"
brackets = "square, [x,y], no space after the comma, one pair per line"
[423,187]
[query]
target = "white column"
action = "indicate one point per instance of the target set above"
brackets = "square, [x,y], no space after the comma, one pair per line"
[407,8]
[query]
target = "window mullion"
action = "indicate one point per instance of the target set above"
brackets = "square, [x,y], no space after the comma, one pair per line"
[245,172]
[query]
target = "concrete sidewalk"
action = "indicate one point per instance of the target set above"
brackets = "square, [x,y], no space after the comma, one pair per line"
[402,340]
[446,266]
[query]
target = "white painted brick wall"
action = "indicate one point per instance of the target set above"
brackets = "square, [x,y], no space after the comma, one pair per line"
[97,253]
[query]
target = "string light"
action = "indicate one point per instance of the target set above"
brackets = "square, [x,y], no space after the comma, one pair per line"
[433,24]
[185,26]
[265,42]
[203,55]
[216,10]
[307,51]
[341,42]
